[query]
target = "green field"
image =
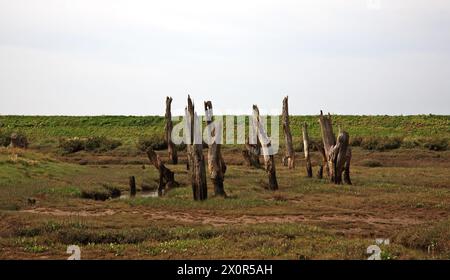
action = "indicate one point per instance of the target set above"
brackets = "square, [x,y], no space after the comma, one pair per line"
[400,194]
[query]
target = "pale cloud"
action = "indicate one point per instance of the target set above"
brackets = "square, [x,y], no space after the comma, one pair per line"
[123,57]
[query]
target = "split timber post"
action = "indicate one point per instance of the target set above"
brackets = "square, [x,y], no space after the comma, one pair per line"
[132,186]
[251,154]
[166,176]
[289,159]
[195,157]
[336,152]
[269,161]
[309,171]
[216,163]
[173,157]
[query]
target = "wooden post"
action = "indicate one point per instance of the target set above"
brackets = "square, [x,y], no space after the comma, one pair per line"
[251,154]
[173,157]
[269,161]
[309,171]
[335,151]
[290,154]
[197,160]
[166,176]
[320,172]
[319,147]
[132,186]
[347,166]
[216,163]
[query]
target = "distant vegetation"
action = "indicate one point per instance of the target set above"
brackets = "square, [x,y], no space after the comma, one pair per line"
[370,132]
[90,144]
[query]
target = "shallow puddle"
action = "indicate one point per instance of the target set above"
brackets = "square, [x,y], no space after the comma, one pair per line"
[141,194]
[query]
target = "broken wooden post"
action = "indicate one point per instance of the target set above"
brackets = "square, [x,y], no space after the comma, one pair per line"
[335,151]
[269,161]
[196,158]
[166,176]
[309,171]
[132,186]
[319,147]
[251,154]
[173,157]
[289,159]
[18,141]
[216,163]
[347,166]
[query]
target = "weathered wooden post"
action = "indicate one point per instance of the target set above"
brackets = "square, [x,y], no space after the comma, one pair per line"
[309,171]
[289,159]
[269,161]
[132,186]
[336,152]
[196,158]
[347,166]
[18,141]
[319,147]
[166,176]
[173,157]
[216,163]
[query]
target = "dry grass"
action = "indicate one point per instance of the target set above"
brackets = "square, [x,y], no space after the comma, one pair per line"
[407,201]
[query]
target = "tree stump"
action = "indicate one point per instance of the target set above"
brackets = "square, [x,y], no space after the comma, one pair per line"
[269,161]
[319,147]
[347,166]
[173,157]
[132,186]
[309,171]
[18,141]
[251,154]
[289,159]
[216,163]
[335,151]
[166,176]
[196,158]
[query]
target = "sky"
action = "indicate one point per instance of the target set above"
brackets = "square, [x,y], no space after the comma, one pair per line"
[111,57]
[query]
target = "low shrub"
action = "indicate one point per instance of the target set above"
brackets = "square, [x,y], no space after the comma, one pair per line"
[101,193]
[356,141]
[433,237]
[71,145]
[381,143]
[100,144]
[156,142]
[5,138]
[91,144]
[19,140]
[436,144]
[410,142]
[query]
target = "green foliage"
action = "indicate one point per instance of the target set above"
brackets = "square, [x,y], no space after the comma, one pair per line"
[127,129]
[101,193]
[381,143]
[436,144]
[19,139]
[433,237]
[100,144]
[5,138]
[355,141]
[411,142]
[91,144]
[72,145]
[156,142]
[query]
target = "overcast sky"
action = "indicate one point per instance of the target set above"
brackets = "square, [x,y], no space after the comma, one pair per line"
[94,57]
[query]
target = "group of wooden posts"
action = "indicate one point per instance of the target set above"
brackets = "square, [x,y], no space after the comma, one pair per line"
[335,152]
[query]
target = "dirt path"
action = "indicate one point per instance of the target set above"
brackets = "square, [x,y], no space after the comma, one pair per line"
[207,218]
